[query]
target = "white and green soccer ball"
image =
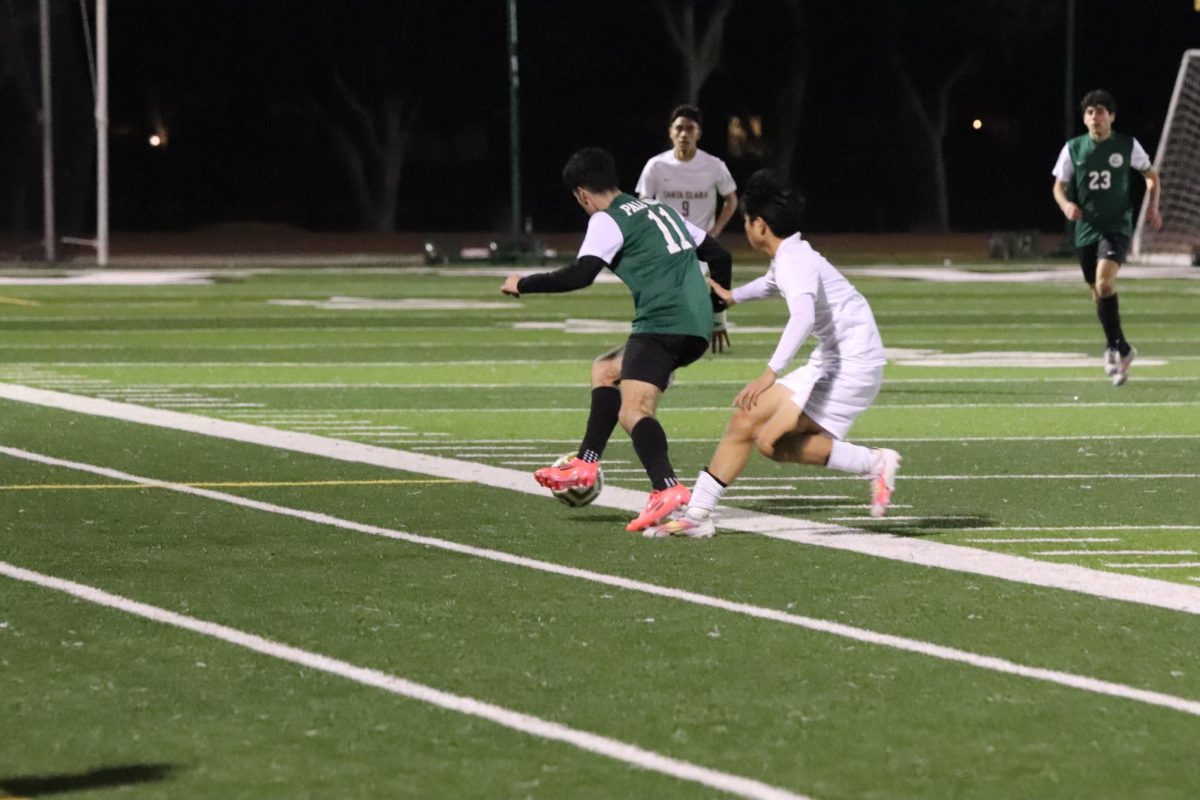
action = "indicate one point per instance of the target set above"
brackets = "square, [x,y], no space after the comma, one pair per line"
[578,496]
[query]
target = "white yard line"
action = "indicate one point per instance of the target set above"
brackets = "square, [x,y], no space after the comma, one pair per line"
[517,443]
[1039,476]
[895,518]
[1002,528]
[892,407]
[753,497]
[910,550]
[1085,552]
[580,384]
[514,720]
[950,654]
[1060,540]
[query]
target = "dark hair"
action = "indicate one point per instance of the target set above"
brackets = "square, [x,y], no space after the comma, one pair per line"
[1098,97]
[687,112]
[590,168]
[769,196]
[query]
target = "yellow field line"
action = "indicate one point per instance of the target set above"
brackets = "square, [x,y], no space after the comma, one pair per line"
[17,301]
[223,485]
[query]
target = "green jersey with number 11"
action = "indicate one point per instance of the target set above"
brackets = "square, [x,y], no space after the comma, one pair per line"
[650,248]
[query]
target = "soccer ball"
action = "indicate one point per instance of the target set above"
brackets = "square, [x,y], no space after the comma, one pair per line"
[578,496]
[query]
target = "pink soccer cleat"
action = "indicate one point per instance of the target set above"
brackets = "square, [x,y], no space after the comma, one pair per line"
[661,503]
[883,480]
[575,473]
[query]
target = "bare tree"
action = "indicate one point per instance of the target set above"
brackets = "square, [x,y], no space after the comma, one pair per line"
[363,102]
[931,112]
[700,51]
[793,85]
[933,48]
[371,141]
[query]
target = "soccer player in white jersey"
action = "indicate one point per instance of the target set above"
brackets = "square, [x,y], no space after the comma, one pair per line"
[804,416]
[688,179]
[692,182]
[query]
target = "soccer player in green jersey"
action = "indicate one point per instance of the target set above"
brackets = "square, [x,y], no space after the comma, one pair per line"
[1091,186]
[655,252]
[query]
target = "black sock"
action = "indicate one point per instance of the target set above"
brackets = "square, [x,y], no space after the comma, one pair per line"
[606,407]
[650,443]
[1108,310]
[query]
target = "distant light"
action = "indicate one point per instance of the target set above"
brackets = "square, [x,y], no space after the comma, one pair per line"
[155,140]
[977,124]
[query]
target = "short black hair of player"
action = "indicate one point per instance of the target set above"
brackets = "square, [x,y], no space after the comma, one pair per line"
[687,112]
[769,196]
[1098,97]
[591,168]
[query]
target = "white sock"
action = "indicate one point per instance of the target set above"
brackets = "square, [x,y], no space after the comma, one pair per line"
[707,492]
[853,458]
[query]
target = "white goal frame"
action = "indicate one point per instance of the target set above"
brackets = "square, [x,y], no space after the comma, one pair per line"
[1167,246]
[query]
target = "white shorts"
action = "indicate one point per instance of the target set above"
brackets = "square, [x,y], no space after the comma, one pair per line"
[834,398]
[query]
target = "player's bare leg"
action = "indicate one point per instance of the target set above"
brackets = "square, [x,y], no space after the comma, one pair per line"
[782,432]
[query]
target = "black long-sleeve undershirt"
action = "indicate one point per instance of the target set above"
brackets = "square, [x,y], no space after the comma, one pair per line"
[578,274]
[582,272]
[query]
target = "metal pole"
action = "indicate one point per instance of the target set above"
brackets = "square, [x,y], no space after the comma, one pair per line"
[102,132]
[514,122]
[50,240]
[1070,117]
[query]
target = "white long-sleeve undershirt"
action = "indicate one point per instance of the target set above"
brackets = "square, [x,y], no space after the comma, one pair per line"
[802,314]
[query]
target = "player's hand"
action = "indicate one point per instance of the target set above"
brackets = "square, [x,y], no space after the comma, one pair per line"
[720,340]
[1072,212]
[721,292]
[747,398]
[510,285]
[1154,218]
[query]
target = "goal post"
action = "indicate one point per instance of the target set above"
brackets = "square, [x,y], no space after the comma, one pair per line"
[1177,162]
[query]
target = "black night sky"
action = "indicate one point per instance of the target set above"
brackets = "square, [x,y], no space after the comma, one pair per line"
[260,103]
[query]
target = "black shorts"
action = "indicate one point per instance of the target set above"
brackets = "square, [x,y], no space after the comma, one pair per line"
[1111,247]
[652,357]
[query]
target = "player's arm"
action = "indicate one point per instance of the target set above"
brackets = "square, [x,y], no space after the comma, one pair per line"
[579,274]
[1153,190]
[1063,171]
[646,187]
[757,289]
[601,248]
[802,314]
[1069,209]
[728,206]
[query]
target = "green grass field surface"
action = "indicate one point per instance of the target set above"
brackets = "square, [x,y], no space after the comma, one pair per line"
[805,670]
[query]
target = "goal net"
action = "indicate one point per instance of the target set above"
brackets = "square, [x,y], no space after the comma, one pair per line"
[1177,162]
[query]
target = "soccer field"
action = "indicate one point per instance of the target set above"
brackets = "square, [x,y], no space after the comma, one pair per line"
[276,535]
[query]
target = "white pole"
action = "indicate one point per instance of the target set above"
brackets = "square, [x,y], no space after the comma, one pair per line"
[102,132]
[50,240]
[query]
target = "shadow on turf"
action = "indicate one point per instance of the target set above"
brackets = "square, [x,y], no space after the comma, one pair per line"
[100,778]
[926,526]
